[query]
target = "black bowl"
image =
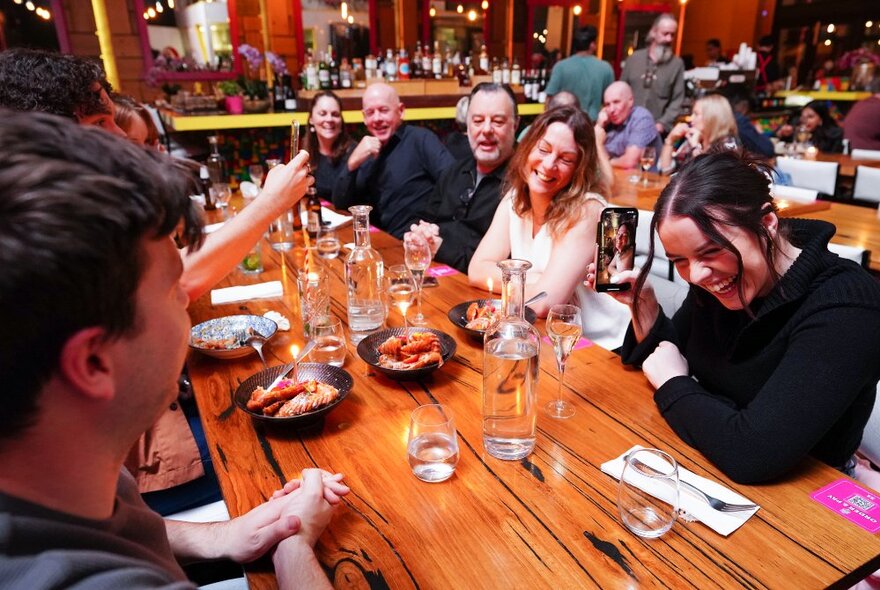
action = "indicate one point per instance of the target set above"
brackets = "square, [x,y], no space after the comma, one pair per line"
[335,376]
[458,315]
[368,350]
[231,326]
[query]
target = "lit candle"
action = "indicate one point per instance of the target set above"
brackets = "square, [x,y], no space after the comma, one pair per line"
[489,284]
[811,153]
[294,351]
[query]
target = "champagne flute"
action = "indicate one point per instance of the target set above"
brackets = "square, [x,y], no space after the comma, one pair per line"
[417,254]
[564,329]
[256,174]
[401,289]
[646,162]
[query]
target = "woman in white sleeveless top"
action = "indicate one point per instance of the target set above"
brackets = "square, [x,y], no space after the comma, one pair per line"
[549,216]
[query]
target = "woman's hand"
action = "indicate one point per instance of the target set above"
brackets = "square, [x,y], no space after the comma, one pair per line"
[649,308]
[664,363]
[428,232]
[679,131]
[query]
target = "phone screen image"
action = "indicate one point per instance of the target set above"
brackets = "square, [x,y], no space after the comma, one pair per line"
[616,238]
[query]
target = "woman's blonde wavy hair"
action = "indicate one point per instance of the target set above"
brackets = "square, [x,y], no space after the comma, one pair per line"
[567,204]
[718,121]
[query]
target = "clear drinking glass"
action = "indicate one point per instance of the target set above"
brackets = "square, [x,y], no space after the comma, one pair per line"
[564,329]
[327,243]
[329,342]
[400,288]
[647,494]
[252,263]
[256,173]
[432,445]
[314,297]
[222,193]
[646,162]
[417,255]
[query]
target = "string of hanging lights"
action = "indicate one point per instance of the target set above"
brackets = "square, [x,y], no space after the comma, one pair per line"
[41,12]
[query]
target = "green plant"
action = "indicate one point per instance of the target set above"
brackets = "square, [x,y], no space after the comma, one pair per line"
[229,88]
[254,89]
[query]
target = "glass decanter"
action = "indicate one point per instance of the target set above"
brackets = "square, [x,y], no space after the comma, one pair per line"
[364,272]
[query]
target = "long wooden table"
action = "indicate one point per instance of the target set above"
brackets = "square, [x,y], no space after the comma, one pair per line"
[856,226]
[549,521]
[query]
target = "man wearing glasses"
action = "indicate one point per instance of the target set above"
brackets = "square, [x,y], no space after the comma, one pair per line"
[395,168]
[460,210]
[656,75]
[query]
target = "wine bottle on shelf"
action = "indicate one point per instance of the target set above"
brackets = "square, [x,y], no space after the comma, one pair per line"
[496,71]
[345,74]
[289,93]
[390,66]
[427,63]
[416,64]
[312,82]
[505,71]
[205,183]
[324,74]
[515,74]
[334,69]
[403,72]
[278,94]
[484,60]
[437,61]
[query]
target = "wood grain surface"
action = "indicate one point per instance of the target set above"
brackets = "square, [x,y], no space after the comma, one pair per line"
[549,521]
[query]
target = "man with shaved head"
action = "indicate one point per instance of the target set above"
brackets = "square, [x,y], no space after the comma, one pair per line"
[395,168]
[623,130]
[656,74]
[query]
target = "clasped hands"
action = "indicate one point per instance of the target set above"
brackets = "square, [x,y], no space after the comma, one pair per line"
[428,232]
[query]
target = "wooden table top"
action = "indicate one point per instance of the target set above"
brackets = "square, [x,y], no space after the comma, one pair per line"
[546,522]
[856,226]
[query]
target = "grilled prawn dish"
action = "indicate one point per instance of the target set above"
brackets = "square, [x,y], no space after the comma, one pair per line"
[414,351]
[480,318]
[292,399]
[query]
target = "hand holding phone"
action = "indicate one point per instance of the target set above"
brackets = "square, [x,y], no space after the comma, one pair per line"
[616,248]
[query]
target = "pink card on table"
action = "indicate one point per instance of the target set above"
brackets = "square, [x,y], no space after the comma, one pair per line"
[327,204]
[440,270]
[581,343]
[374,229]
[851,501]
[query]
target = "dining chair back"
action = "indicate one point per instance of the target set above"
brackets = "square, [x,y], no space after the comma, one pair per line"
[820,176]
[867,185]
[793,193]
[865,154]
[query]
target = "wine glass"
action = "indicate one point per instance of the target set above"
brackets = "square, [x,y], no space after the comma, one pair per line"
[327,243]
[417,254]
[256,173]
[802,136]
[401,289]
[564,328]
[646,162]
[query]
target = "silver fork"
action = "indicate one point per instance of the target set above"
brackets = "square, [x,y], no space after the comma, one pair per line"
[719,505]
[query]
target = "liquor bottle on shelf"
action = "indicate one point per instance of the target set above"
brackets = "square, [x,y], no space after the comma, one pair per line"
[505,71]
[515,74]
[496,71]
[345,74]
[417,63]
[450,66]
[334,69]
[205,183]
[289,93]
[370,67]
[390,66]
[403,72]
[312,82]
[437,61]
[469,63]
[463,79]
[323,74]
[216,163]
[314,219]
[542,87]
[484,60]
[278,95]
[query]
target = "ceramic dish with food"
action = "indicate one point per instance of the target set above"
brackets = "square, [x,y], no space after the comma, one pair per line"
[318,389]
[226,337]
[407,354]
[459,315]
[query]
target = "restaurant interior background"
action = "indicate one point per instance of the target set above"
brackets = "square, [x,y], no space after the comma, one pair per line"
[129,34]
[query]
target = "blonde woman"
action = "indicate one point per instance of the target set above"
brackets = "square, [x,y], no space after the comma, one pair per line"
[549,216]
[712,125]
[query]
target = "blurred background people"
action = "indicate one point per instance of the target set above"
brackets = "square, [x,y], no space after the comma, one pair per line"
[714,55]
[740,100]
[327,142]
[816,126]
[582,73]
[712,126]
[624,130]
[862,124]
[457,140]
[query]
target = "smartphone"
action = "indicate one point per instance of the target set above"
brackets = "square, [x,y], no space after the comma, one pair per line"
[616,248]
[429,281]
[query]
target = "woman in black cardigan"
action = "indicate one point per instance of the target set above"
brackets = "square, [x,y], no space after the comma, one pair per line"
[773,354]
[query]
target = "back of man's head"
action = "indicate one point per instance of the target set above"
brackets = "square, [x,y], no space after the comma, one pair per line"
[583,38]
[766,41]
[76,205]
[64,85]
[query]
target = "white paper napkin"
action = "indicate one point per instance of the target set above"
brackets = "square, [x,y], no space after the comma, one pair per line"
[694,506]
[246,292]
[212,227]
[335,219]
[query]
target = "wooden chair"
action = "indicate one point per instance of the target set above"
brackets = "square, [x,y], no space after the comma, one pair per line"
[867,185]
[819,176]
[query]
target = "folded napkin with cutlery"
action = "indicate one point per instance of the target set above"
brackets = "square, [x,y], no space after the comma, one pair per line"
[246,292]
[693,505]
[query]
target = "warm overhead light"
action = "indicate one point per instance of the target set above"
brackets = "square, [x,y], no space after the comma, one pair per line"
[146,16]
[459,9]
[545,31]
[485,5]
[830,28]
[170,3]
[30,5]
[159,8]
[343,9]
[350,19]
[433,12]
[152,12]
[534,35]
[472,15]
[46,15]
[827,43]
[682,2]
[869,24]
[577,10]
[20,1]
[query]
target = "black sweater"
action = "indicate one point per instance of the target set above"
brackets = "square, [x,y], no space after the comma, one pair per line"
[799,379]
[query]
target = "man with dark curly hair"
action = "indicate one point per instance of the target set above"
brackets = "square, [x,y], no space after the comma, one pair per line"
[64,85]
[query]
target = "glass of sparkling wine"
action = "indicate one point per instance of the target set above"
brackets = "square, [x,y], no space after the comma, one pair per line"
[564,330]
[646,162]
[327,243]
[401,289]
[417,255]
[432,445]
[329,342]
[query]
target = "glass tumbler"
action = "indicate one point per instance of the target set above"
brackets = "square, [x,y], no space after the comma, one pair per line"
[329,342]
[647,494]
[432,446]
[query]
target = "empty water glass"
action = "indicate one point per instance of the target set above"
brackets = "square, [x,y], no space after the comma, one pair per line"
[256,173]
[221,192]
[647,495]
[327,243]
[329,342]
[432,446]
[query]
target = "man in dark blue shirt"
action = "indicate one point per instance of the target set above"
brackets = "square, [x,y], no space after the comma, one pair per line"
[740,101]
[395,168]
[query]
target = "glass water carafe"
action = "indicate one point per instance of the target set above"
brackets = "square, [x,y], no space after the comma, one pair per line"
[511,348]
[364,271]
